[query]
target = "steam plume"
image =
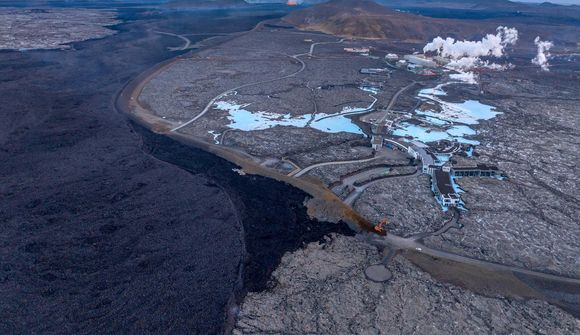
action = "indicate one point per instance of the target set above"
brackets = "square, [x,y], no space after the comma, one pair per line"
[466,54]
[543,55]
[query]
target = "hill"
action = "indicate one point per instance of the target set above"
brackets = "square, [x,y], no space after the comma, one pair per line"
[367,19]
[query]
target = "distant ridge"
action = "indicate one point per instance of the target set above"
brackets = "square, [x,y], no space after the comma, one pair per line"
[497,6]
[207,4]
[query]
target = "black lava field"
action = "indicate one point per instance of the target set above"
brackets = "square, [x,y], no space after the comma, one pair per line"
[109,228]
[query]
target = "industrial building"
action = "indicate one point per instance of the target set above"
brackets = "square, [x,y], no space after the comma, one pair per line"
[374,71]
[443,189]
[357,50]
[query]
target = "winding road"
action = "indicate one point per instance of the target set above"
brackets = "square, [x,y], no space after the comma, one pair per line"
[223,94]
[451,223]
[353,196]
[390,106]
[215,99]
[314,45]
[182,37]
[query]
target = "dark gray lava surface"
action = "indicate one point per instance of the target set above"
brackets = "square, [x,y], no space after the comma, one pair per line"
[108,228]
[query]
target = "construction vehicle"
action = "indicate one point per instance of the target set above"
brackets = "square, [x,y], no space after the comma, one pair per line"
[380,227]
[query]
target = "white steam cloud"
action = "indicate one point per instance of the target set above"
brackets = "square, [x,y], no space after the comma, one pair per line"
[466,55]
[543,55]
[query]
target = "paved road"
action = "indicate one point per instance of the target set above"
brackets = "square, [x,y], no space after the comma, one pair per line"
[311,52]
[314,166]
[182,37]
[296,57]
[392,103]
[396,242]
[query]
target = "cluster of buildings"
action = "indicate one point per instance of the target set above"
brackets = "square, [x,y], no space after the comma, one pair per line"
[434,158]
[417,63]
[437,164]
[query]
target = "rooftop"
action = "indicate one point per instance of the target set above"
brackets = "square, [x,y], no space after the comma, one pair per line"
[443,182]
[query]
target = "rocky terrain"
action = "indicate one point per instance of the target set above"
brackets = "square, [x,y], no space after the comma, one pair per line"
[322,289]
[52,28]
[408,203]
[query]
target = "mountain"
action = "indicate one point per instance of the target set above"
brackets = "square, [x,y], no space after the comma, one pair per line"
[367,19]
[206,4]
[492,8]
[297,2]
[453,4]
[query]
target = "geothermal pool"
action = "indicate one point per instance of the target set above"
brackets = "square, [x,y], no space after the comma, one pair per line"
[242,119]
[450,121]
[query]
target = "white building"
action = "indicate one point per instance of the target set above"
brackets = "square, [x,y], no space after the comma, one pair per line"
[420,60]
[377,142]
[443,189]
[357,50]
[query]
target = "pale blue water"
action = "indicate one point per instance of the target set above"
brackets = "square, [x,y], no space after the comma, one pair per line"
[432,91]
[336,124]
[451,122]
[425,135]
[461,131]
[246,120]
[467,112]
[443,158]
